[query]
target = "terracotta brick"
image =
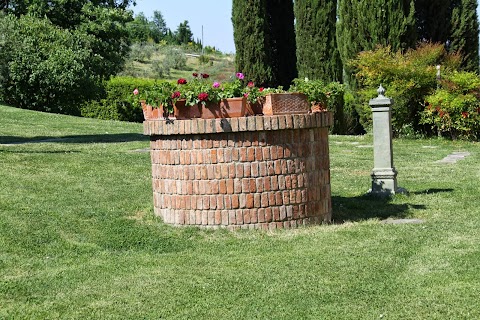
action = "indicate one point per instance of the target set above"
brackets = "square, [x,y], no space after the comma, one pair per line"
[276,213]
[279,198]
[242,199]
[266,183]
[246,216]
[277,165]
[218,217]
[243,154]
[213,202]
[270,168]
[239,216]
[237,185]
[281,182]
[253,216]
[268,215]
[235,201]
[264,200]
[262,169]
[274,183]
[225,217]
[198,217]
[249,201]
[230,186]
[257,200]
[254,169]
[245,185]
[220,202]
[259,184]
[228,202]
[222,185]
[247,170]
[239,170]
[261,215]
[266,153]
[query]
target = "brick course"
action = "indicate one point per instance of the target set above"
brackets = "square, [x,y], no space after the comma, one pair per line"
[265,172]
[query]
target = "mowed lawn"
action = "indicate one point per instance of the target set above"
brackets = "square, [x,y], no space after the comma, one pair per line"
[78,239]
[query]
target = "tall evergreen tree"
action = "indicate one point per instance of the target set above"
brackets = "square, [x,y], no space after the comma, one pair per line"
[317,52]
[282,35]
[364,24]
[264,40]
[464,34]
[433,20]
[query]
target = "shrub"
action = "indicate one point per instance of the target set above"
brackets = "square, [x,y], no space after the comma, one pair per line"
[454,108]
[175,59]
[408,78]
[43,67]
[117,101]
[329,95]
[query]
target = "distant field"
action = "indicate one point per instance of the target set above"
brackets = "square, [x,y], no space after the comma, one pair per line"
[219,66]
[78,239]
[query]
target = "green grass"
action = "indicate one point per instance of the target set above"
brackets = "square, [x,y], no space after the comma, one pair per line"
[78,239]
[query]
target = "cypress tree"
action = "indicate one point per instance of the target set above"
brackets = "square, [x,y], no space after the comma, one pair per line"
[317,52]
[364,24]
[464,34]
[264,40]
[282,36]
[433,20]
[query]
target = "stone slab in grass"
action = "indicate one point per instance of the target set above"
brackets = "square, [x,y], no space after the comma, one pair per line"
[454,157]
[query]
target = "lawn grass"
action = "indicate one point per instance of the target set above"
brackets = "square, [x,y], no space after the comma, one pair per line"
[78,239]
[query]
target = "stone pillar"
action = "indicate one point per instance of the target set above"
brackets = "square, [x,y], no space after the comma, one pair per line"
[263,172]
[384,175]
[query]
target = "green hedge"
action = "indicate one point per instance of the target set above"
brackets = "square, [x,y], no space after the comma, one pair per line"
[117,103]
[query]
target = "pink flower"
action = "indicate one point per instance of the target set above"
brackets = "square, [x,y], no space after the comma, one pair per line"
[251,84]
[182,81]
[216,85]
[240,75]
[135,92]
[245,94]
[176,95]
[203,96]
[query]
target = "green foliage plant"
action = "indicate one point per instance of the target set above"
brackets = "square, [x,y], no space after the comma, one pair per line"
[408,78]
[453,110]
[117,101]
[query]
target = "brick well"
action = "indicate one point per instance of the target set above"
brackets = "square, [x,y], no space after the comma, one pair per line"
[251,172]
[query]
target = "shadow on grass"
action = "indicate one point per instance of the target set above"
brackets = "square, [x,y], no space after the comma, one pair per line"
[369,207]
[91,138]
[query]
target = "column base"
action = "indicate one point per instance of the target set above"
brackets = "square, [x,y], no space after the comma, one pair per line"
[384,182]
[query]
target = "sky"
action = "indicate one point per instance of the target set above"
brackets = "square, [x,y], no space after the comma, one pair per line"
[213,15]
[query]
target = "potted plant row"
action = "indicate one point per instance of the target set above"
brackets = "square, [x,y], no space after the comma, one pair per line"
[199,97]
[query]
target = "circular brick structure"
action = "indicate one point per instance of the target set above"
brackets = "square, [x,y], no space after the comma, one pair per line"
[251,172]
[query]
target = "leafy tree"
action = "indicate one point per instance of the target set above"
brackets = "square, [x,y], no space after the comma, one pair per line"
[317,53]
[45,67]
[464,34]
[158,26]
[183,34]
[261,52]
[139,29]
[364,24]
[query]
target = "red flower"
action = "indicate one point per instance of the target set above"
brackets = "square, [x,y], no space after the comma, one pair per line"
[465,114]
[203,96]
[205,75]
[251,84]
[261,89]
[176,95]
[195,74]
[182,81]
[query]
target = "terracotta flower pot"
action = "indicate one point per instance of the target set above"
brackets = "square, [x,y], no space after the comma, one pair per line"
[182,112]
[226,108]
[285,103]
[151,113]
